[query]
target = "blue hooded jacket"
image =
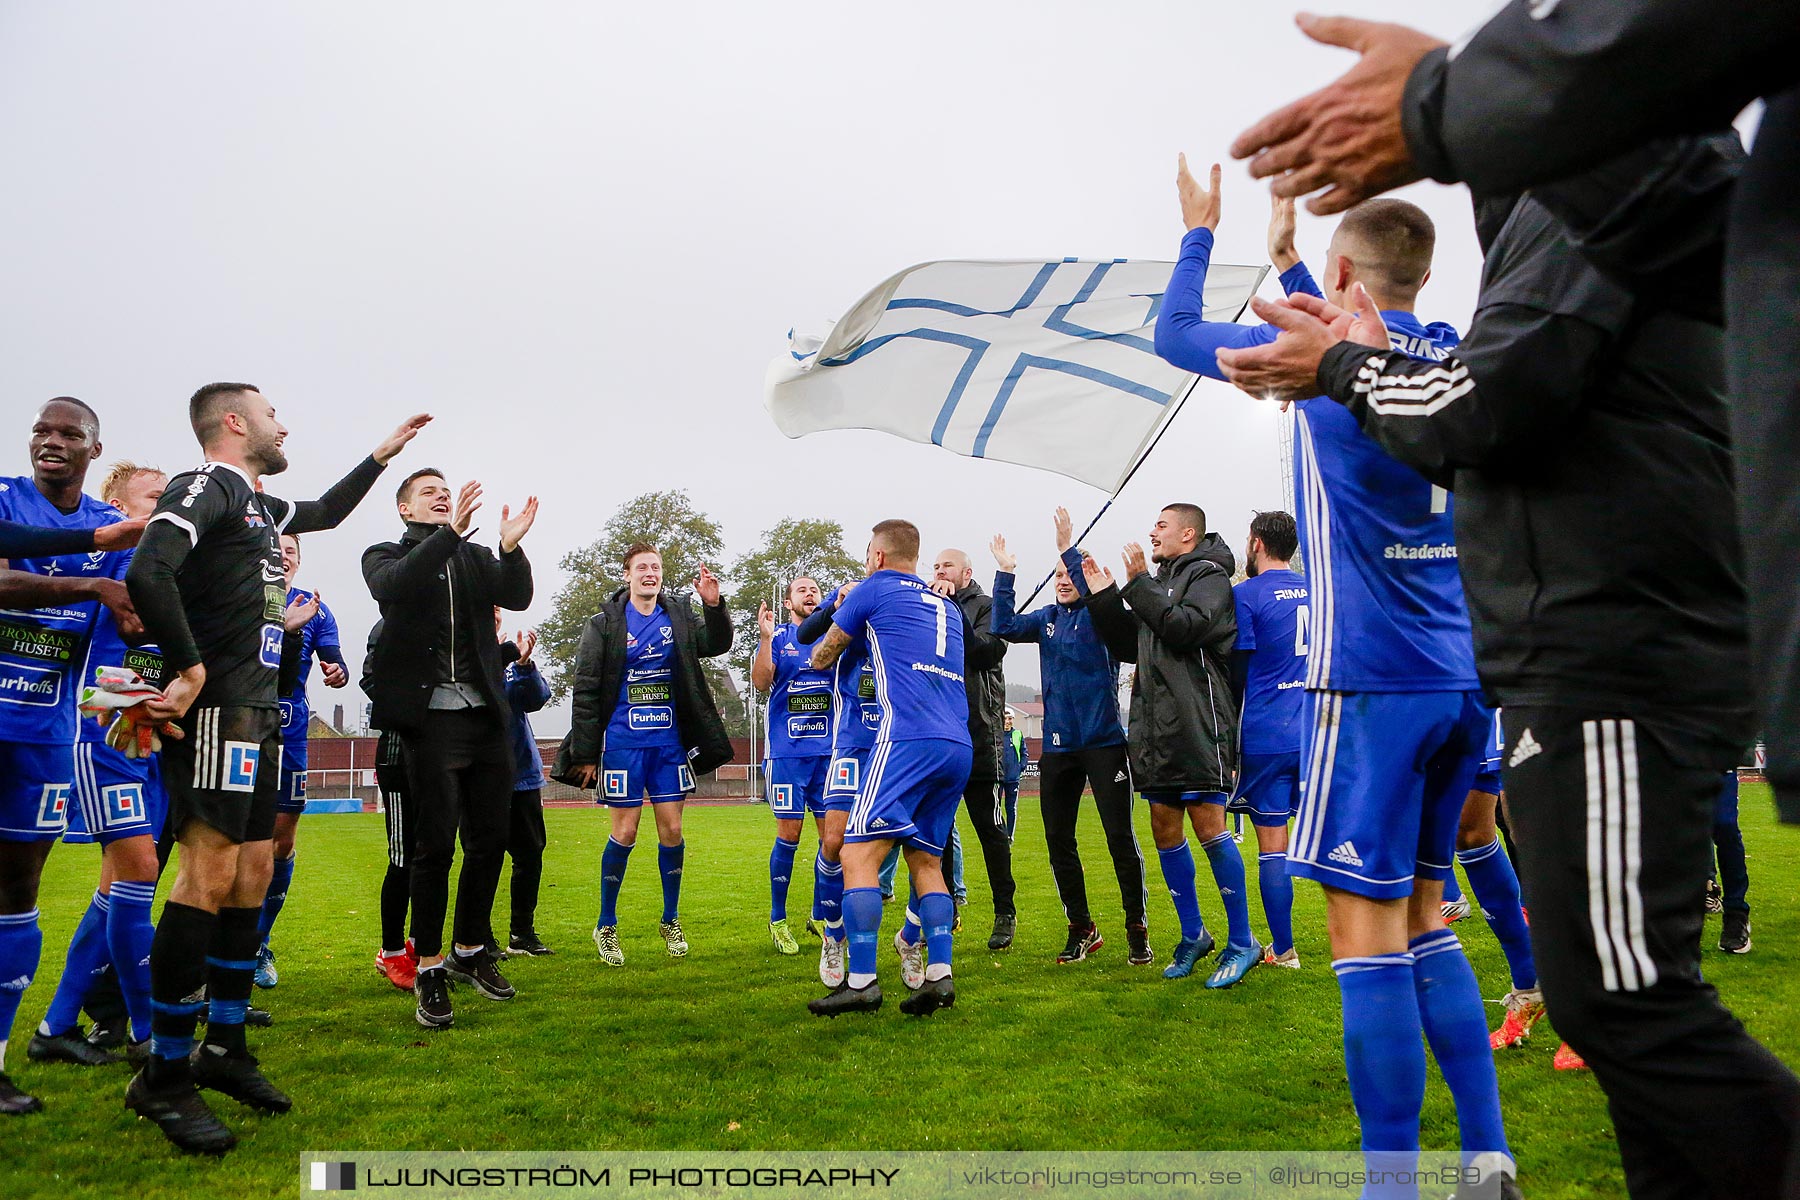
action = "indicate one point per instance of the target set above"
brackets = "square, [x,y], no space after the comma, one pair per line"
[1081,678]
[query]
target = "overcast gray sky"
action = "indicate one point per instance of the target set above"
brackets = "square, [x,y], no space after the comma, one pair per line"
[577,232]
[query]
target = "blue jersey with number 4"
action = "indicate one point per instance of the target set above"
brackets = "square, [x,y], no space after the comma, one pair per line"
[915,642]
[645,715]
[1272,621]
[799,713]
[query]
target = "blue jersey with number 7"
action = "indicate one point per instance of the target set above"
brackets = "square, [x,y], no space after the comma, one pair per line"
[915,642]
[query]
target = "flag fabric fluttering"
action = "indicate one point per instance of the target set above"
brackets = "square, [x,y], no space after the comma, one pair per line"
[1045,364]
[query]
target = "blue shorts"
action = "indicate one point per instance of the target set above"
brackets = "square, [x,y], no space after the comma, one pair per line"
[1183,799]
[658,774]
[1268,788]
[797,786]
[911,791]
[35,790]
[293,736]
[292,796]
[1387,774]
[115,797]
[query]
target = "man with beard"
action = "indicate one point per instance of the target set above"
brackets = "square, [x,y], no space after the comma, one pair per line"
[40,648]
[208,582]
[799,742]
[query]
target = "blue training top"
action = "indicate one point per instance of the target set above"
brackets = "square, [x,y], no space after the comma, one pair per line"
[1386,601]
[1081,680]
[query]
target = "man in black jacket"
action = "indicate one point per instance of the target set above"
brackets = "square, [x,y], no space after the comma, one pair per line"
[1582,426]
[1180,631]
[440,688]
[1545,90]
[644,724]
[954,579]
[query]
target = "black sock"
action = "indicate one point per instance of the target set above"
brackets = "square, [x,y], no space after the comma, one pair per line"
[177,972]
[396,890]
[230,970]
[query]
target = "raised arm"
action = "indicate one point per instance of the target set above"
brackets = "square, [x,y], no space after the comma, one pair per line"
[762,667]
[329,510]
[1003,620]
[1203,615]
[1184,336]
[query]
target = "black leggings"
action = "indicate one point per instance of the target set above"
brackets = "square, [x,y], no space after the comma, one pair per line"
[1062,777]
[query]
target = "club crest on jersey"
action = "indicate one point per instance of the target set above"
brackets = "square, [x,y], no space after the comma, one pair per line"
[1049,628]
[53,806]
[253,516]
[241,759]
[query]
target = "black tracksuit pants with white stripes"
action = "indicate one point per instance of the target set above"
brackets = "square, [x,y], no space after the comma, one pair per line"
[1061,777]
[1614,822]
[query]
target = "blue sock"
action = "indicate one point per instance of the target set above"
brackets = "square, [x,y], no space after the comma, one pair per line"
[862,917]
[613,861]
[781,877]
[276,896]
[87,958]
[1452,890]
[937,913]
[1178,874]
[1456,1026]
[912,930]
[128,937]
[1278,899]
[21,945]
[1228,872]
[1496,888]
[668,861]
[1384,1058]
[828,894]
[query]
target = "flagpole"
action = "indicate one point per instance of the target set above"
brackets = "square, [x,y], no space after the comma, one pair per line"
[1173,413]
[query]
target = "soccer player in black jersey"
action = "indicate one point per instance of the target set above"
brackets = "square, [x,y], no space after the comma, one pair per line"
[208,582]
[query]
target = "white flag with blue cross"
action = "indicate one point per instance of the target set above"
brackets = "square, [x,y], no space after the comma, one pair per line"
[1046,364]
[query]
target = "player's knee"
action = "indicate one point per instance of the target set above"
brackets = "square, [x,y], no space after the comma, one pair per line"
[1209,819]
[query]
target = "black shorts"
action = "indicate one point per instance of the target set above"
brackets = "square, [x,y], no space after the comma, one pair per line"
[226,772]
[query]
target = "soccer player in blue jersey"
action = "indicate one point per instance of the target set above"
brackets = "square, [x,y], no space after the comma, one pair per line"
[119,803]
[318,640]
[644,722]
[41,649]
[799,730]
[1395,727]
[855,718]
[1268,671]
[1083,746]
[917,770]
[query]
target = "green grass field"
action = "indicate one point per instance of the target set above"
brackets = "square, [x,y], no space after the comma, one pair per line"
[717,1051]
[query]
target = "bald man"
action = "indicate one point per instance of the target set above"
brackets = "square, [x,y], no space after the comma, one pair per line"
[953,577]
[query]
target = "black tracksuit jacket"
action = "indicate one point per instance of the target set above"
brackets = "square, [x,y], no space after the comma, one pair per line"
[1180,631]
[1546,89]
[1582,424]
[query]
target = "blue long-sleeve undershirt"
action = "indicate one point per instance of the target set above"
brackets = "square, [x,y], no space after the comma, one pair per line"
[1184,336]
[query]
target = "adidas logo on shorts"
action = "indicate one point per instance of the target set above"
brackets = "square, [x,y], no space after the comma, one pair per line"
[16,985]
[1527,748]
[1119,778]
[1346,854]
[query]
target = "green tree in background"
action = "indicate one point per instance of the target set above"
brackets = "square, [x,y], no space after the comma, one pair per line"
[686,537]
[795,546]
